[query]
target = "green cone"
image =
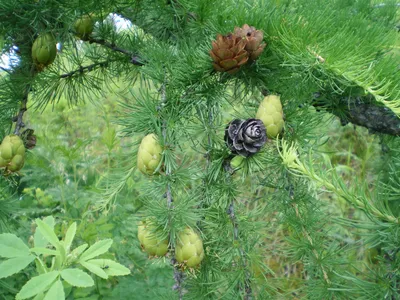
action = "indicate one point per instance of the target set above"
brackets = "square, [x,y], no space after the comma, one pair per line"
[84,27]
[149,154]
[189,248]
[271,113]
[150,243]
[12,153]
[44,50]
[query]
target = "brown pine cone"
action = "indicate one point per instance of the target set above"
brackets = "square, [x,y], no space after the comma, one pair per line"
[253,38]
[228,53]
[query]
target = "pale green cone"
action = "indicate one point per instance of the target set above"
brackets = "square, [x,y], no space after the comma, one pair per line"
[12,153]
[189,248]
[271,114]
[149,241]
[84,26]
[149,154]
[44,50]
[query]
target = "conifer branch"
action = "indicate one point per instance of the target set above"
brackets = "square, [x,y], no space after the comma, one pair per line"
[363,112]
[5,70]
[308,237]
[84,69]
[334,184]
[18,119]
[135,59]
[178,274]
[247,285]
[376,118]
[19,124]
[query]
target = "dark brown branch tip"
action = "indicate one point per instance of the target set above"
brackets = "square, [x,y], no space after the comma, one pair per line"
[362,111]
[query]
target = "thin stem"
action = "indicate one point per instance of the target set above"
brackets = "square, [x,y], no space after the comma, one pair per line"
[310,240]
[178,275]
[84,69]
[135,59]
[5,70]
[247,282]
[23,108]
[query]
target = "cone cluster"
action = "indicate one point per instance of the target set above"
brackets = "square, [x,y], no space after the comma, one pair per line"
[44,50]
[270,112]
[230,52]
[149,154]
[12,153]
[189,246]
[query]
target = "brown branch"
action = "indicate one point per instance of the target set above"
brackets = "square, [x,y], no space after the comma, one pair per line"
[18,119]
[362,111]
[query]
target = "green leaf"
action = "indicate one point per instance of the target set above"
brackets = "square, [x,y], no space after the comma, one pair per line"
[97,249]
[95,269]
[69,236]
[39,296]
[75,253]
[110,267]
[76,277]
[45,251]
[39,240]
[56,292]
[37,285]
[12,246]
[78,250]
[14,265]
[48,233]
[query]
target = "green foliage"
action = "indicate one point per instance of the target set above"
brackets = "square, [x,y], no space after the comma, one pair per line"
[313,215]
[48,248]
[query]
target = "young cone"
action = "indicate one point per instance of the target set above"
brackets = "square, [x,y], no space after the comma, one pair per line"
[189,248]
[12,153]
[84,27]
[44,50]
[150,243]
[271,114]
[149,154]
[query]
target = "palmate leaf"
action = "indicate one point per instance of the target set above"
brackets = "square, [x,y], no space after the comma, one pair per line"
[96,249]
[76,277]
[37,284]
[14,265]
[12,246]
